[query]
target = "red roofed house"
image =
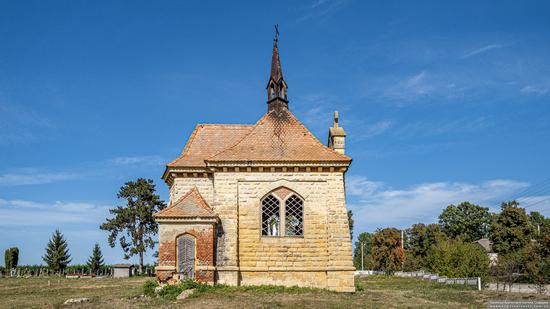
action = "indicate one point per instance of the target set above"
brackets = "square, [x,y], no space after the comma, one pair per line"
[258,204]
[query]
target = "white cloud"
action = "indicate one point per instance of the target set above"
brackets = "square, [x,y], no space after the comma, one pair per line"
[138,160]
[376,205]
[320,8]
[539,89]
[481,50]
[19,125]
[33,177]
[31,213]
[411,87]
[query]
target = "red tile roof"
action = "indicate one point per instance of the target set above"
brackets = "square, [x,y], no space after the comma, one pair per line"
[190,205]
[279,136]
[207,140]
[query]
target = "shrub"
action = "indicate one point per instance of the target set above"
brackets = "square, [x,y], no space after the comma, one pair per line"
[11,257]
[149,288]
[172,291]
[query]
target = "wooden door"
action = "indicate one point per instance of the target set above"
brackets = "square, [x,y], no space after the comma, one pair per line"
[186,257]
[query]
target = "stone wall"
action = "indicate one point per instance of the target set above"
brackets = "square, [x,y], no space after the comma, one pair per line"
[182,185]
[321,258]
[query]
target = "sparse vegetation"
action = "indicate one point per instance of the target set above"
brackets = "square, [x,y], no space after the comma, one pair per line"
[372,292]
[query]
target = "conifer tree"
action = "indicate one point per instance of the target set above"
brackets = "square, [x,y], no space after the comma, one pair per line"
[133,224]
[57,253]
[95,262]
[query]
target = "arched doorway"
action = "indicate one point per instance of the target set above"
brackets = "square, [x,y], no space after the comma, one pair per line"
[186,256]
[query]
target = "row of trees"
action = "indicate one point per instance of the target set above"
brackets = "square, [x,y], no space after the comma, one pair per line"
[57,255]
[521,240]
[132,226]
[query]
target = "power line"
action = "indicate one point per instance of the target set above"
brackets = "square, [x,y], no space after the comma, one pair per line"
[536,203]
[531,188]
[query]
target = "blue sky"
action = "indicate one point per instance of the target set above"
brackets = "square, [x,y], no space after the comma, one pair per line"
[442,102]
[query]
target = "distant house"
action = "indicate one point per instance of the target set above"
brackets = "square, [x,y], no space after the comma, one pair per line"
[487,245]
[122,270]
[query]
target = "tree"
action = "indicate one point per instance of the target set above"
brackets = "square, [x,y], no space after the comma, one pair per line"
[456,258]
[420,238]
[11,257]
[541,224]
[95,262]
[508,268]
[364,242]
[57,253]
[387,252]
[135,219]
[469,221]
[511,231]
[350,222]
[536,259]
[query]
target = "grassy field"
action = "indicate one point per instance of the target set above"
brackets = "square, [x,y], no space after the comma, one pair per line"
[125,293]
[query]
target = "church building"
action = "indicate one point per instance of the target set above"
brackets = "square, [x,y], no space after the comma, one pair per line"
[263,203]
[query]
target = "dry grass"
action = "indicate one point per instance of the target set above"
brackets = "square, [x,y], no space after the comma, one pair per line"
[374,292]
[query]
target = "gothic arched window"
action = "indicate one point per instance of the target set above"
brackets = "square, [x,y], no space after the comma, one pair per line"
[294,216]
[282,214]
[271,216]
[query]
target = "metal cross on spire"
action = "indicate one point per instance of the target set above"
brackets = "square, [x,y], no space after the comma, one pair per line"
[276,32]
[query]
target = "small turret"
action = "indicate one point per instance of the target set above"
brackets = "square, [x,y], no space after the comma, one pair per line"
[337,136]
[276,85]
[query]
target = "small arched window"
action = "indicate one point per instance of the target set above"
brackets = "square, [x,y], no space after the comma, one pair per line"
[271,216]
[282,214]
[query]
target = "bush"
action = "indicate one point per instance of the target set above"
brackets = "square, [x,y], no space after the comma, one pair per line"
[11,257]
[172,291]
[149,288]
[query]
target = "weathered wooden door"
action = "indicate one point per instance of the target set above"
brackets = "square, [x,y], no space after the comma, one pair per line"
[186,257]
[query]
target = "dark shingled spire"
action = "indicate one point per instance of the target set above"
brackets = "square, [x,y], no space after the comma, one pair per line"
[276,86]
[276,70]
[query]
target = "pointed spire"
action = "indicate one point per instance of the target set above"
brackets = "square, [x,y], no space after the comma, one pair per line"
[276,86]
[276,70]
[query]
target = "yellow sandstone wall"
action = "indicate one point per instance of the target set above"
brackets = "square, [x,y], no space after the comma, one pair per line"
[322,258]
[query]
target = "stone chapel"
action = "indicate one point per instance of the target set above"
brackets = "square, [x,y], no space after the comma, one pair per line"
[258,204]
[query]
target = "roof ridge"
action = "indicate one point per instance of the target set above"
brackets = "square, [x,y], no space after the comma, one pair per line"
[226,124]
[193,192]
[244,137]
[303,127]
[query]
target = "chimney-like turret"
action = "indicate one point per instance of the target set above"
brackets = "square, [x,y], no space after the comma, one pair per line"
[337,136]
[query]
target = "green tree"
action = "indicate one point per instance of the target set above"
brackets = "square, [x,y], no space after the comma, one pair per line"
[511,230]
[11,257]
[508,268]
[541,224]
[420,238]
[350,222]
[456,258]
[135,219]
[387,252]
[95,261]
[469,221]
[536,259]
[365,240]
[57,253]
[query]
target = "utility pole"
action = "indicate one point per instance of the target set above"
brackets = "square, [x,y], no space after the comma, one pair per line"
[362,259]
[402,246]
